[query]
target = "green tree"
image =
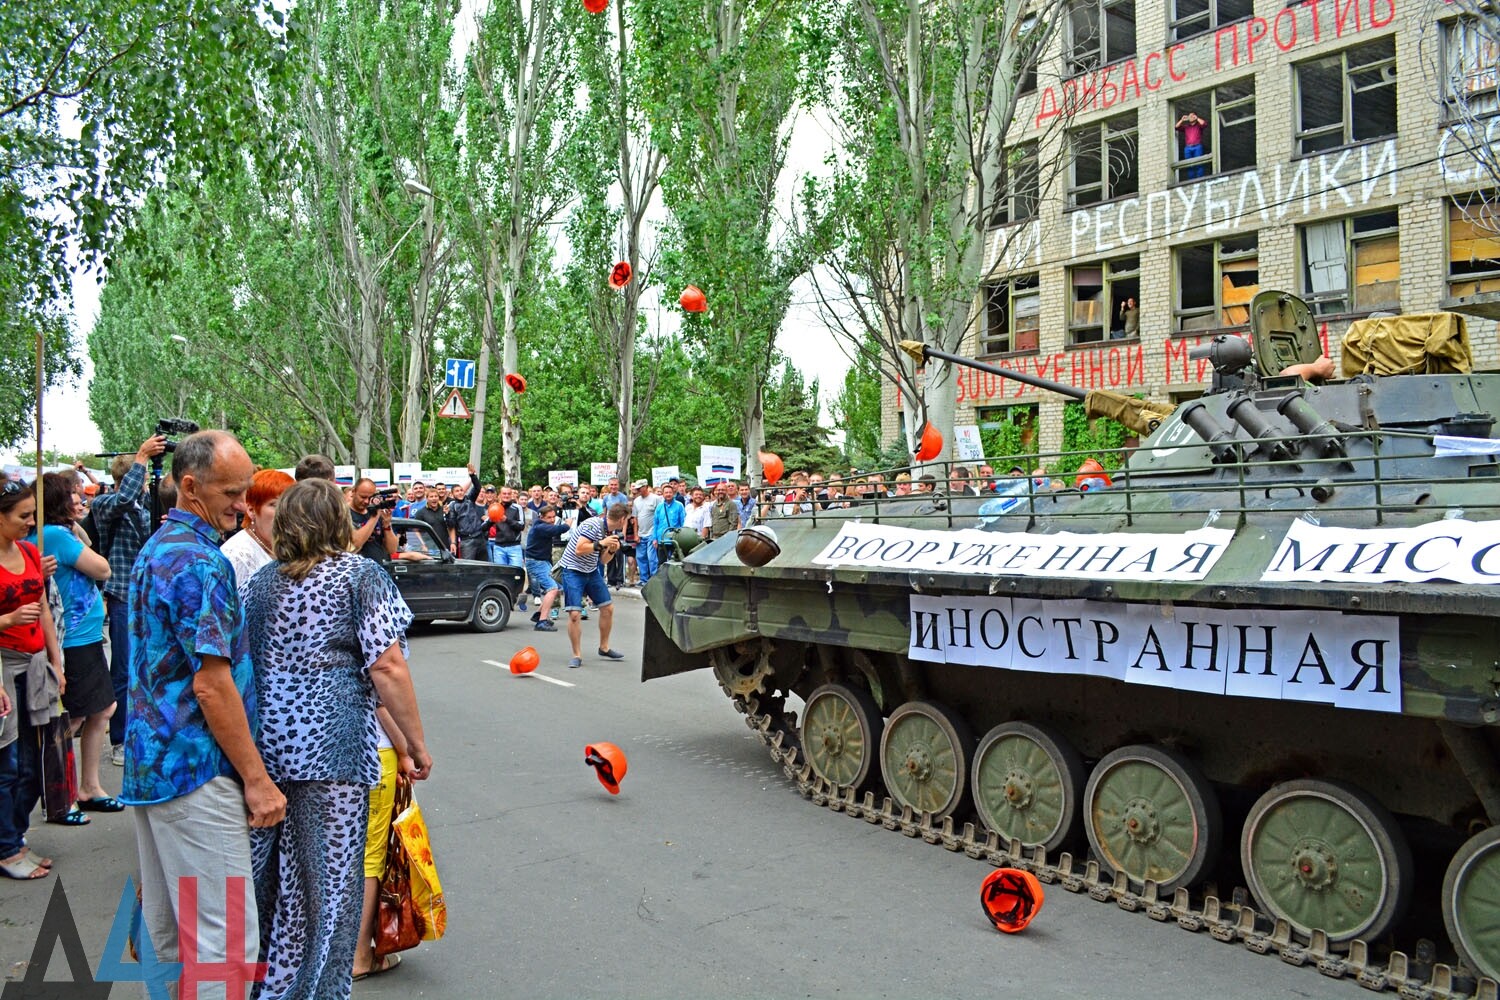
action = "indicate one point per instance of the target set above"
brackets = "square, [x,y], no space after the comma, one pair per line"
[792,428]
[99,99]
[857,407]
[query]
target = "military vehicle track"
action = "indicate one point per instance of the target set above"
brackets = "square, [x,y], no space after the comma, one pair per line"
[1415,974]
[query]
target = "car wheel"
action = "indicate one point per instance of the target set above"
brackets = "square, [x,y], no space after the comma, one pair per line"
[491,610]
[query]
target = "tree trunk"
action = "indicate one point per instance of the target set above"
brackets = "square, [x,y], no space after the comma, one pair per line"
[413,400]
[482,377]
[510,430]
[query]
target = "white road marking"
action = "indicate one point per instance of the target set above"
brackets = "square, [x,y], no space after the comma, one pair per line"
[540,677]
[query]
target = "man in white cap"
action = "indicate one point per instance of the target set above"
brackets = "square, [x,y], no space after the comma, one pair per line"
[644,508]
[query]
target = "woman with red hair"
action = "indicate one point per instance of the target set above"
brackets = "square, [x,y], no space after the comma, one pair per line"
[250,548]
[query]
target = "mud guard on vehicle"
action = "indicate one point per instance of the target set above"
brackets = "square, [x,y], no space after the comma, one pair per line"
[660,656]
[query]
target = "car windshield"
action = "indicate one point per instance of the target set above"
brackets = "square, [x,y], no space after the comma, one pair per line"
[416,539]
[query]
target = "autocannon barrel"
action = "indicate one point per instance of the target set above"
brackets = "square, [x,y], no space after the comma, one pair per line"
[921,352]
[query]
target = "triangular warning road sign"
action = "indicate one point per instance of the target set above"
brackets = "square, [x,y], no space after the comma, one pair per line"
[455,407]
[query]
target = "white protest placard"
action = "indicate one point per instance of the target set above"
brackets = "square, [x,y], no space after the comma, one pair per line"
[427,477]
[453,475]
[1136,555]
[382,477]
[1349,661]
[1453,549]
[662,473]
[723,461]
[556,477]
[406,473]
[967,445]
[343,475]
[602,472]
[290,472]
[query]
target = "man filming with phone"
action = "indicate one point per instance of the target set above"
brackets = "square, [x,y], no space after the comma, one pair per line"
[371,513]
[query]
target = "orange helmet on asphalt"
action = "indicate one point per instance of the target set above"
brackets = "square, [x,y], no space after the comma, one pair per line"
[1010,897]
[608,762]
[525,661]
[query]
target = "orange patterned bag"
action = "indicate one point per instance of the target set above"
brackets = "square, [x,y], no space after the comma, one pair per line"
[426,890]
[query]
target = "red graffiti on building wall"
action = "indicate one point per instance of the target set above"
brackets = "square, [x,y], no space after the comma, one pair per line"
[1183,370]
[1119,367]
[1235,46]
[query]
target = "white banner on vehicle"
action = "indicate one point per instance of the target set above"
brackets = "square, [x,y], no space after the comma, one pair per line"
[1186,556]
[1349,661]
[1456,550]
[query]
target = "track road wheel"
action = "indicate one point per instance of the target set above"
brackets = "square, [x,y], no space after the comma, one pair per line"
[1151,813]
[841,729]
[1323,854]
[1471,902]
[924,758]
[1028,784]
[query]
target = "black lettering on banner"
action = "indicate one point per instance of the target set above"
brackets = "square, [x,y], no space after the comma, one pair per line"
[1293,550]
[1088,565]
[843,546]
[1067,554]
[1146,562]
[1101,643]
[925,548]
[1246,648]
[1356,653]
[1021,637]
[984,555]
[924,625]
[1212,645]
[1316,661]
[1022,553]
[1382,555]
[1067,626]
[984,628]
[869,548]
[1479,558]
[1155,650]
[1411,553]
[954,629]
[885,553]
[1197,553]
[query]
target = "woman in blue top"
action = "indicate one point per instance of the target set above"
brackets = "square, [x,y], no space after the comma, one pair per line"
[89,695]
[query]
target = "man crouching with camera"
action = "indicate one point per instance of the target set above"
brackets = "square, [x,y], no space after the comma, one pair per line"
[371,512]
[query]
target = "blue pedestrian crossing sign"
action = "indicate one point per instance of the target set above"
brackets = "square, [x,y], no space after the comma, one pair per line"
[458,373]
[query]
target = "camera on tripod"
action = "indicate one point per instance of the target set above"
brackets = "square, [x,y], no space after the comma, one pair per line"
[168,426]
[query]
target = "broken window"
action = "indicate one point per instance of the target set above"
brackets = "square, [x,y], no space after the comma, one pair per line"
[1019,186]
[1471,56]
[1365,248]
[1473,245]
[1104,161]
[1194,17]
[1012,316]
[1347,97]
[1099,32]
[1215,283]
[1029,38]
[1104,296]
[1228,133]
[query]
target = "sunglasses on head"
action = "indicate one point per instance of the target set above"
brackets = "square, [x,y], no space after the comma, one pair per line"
[12,487]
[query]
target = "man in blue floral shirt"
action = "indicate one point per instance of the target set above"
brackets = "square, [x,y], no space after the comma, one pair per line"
[191,766]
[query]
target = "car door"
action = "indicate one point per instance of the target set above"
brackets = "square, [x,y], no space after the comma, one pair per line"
[427,585]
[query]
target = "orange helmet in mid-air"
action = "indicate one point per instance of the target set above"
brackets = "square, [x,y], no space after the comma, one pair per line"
[608,762]
[1010,897]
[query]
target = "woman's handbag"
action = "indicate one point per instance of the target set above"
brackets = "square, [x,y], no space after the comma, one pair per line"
[397,926]
[59,773]
[426,890]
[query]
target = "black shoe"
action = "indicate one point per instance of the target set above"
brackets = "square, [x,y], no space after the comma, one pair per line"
[536,616]
[611,654]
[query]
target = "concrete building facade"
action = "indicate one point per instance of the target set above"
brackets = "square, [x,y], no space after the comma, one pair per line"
[1326,164]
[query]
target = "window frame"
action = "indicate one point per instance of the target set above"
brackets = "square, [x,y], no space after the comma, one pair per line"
[1107,139]
[1346,297]
[1477,279]
[1344,128]
[1004,210]
[1112,271]
[1182,314]
[1080,60]
[1216,126]
[1454,107]
[1015,286]
[1214,17]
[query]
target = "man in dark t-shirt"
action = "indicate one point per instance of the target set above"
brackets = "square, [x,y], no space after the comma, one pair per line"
[373,537]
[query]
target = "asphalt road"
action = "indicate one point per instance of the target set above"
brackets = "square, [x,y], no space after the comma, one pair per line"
[708,876]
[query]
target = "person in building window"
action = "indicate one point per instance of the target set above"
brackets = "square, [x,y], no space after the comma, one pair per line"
[1191,127]
[1130,320]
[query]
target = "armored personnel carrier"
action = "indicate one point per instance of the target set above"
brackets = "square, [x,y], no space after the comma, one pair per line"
[1249,681]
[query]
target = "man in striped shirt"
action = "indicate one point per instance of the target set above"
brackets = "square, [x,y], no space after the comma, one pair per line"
[591,546]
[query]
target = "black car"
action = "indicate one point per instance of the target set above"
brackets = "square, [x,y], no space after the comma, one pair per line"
[479,594]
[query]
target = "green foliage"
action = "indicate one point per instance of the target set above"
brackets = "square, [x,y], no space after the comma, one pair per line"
[1005,441]
[792,429]
[857,408]
[1101,438]
[100,99]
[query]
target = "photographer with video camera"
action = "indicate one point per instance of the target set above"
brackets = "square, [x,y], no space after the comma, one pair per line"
[122,519]
[370,510]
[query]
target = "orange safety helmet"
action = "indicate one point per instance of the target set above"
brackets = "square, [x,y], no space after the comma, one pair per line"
[771,467]
[620,274]
[516,382]
[495,512]
[1091,476]
[595,6]
[608,762]
[693,300]
[1010,897]
[525,661]
[931,443]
